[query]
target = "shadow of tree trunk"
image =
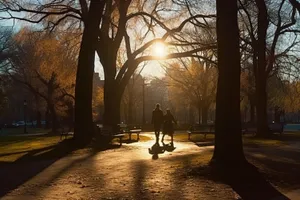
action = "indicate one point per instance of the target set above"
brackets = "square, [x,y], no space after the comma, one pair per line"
[248,182]
[15,174]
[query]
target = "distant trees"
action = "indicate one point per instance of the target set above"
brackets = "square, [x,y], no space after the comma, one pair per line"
[132,100]
[46,66]
[196,81]
[270,39]
[5,45]
[5,52]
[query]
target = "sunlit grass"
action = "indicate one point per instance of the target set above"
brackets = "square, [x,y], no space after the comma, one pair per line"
[143,138]
[253,140]
[183,137]
[247,139]
[14,147]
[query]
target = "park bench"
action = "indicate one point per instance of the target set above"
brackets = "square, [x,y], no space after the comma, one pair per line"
[273,128]
[200,129]
[249,128]
[276,128]
[64,133]
[131,129]
[106,134]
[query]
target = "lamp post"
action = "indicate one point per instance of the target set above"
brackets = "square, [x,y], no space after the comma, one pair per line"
[25,105]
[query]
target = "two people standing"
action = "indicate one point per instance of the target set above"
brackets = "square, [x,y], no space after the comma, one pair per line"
[159,120]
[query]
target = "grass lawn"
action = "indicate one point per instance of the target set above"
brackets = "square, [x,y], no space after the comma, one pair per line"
[277,157]
[14,147]
[247,139]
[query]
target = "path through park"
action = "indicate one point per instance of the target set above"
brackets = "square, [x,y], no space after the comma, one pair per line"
[128,172]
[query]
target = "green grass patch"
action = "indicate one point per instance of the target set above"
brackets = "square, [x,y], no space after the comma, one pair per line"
[183,137]
[143,138]
[276,140]
[14,147]
[262,141]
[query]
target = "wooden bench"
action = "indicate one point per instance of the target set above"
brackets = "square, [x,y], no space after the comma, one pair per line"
[200,129]
[64,133]
[106,133]
[129,129]
[276,128]
[249,128]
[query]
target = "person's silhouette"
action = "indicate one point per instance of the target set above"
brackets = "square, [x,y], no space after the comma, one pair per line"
[168,127]
[157,120]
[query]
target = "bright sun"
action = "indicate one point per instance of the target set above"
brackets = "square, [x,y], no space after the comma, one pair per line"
[159,49]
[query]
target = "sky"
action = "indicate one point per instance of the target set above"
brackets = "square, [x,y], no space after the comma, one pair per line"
[151,70]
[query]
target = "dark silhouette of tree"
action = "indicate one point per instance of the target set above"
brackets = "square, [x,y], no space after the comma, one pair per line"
[107,38]
[83,130]
[228,140]
[5,45]
[265,31]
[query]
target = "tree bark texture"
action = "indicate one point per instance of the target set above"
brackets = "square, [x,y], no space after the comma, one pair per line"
[228,138]
[83,130]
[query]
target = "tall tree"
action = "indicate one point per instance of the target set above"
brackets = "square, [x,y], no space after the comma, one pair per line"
[228,140]
[85,70]
[116,31]
[266,23]
[37,59]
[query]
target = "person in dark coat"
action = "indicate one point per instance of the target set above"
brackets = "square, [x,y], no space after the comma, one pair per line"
[168,125]
[157,120]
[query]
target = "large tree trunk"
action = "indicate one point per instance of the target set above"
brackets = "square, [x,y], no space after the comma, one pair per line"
[84,78]
[261,108]
[112,99]
[54,124]
[228,138]
[252,110]
[38,119]
[47,118]
[261,77]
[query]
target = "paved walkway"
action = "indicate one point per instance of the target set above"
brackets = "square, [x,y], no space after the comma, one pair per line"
[128,172]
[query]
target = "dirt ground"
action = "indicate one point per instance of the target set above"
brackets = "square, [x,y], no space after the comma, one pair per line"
[128,172]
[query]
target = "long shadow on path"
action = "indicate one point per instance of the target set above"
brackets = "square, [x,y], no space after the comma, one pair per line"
[16,173]
[250,184]
[244,179]
[26,167]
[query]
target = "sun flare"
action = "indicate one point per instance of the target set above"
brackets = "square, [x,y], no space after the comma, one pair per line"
[159,49]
